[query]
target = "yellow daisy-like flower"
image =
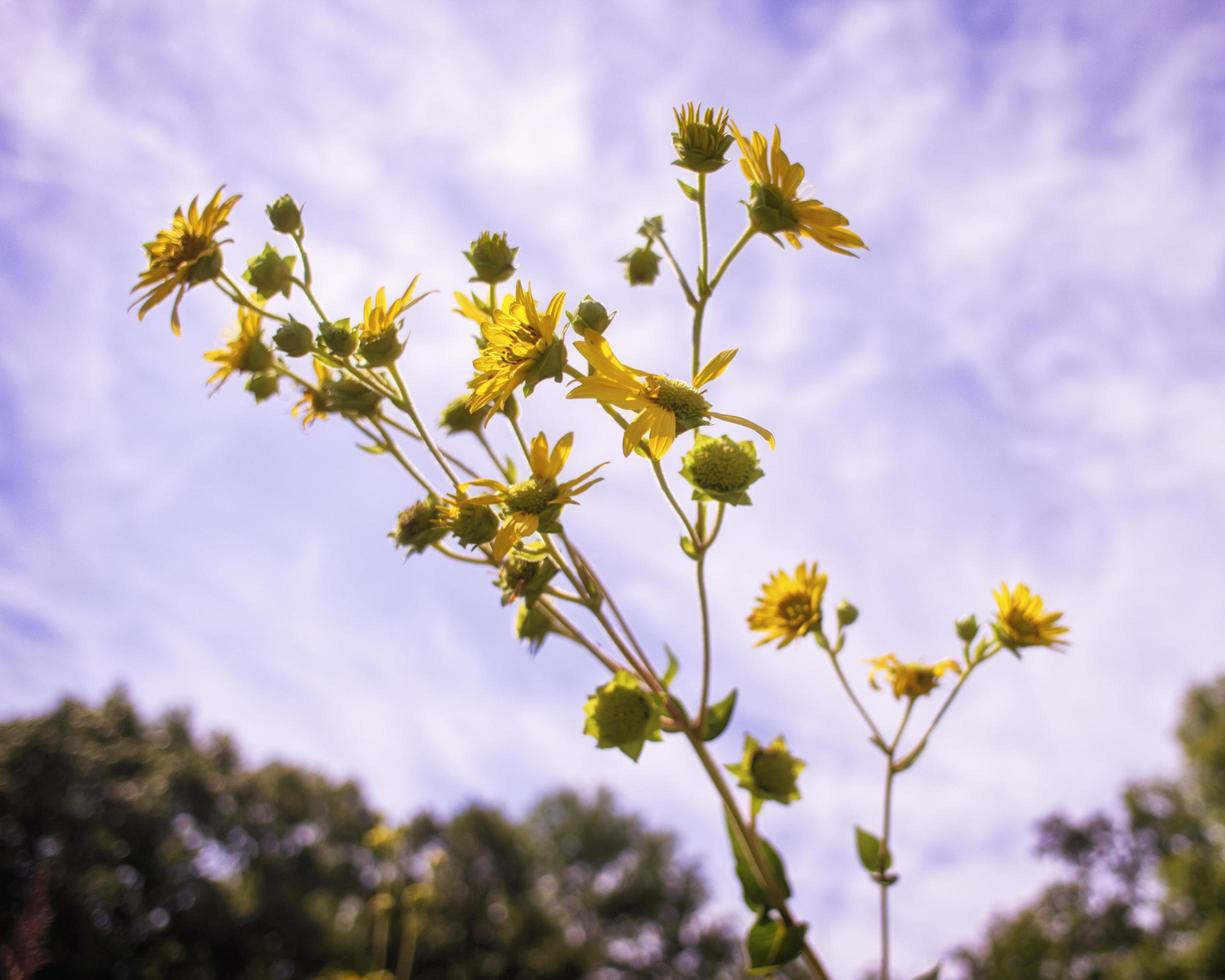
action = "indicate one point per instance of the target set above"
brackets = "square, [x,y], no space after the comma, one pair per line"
[665,406]
[533,504]
[790,605]
[245,350]
[521,347]
[909,680]
[379,343]
[1022,622]
[184,255]
[775,204]
[314,403]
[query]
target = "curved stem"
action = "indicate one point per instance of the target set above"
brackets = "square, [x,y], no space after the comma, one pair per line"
[663,485]
[237,297]
[306,263]
[455,461]
[704,606]
[500,464]
[877,739]
[676,267]
[742,241]
[421,429]
[527,453]
[306,291]
[457,555]
[390,445]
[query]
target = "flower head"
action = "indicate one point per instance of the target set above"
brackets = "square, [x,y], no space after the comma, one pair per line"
[701,138]
[456,418]
[270,273]
[909,680]
[665,406]
[1022,622]
[492,258]
[525,578]
[721,469]
[775,204]
[313,405]
[419,525]
[535,503]
[790,605]
[521,348]
[472,524]
[285,215]
[378,336]
[768,772]
[641,265]
[623,715]
[245,350]
[184,255]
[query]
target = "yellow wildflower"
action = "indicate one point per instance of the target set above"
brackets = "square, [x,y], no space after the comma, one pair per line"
[184,255]
[379,343]
[775,204]
[790,605]
[245,350]
[314,404]
[665,406]
[533,504]
[1022,622]
[909,680]
[521,348]
[701,139]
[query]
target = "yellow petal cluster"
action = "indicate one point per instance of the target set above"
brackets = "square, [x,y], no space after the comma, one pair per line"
[516,337]
[790,605]
[909,680]
[1021,620]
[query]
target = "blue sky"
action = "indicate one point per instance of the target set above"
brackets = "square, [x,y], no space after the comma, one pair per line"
[1024,379]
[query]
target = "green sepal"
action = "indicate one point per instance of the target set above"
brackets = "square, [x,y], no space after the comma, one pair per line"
[270,272]
[688,190]
[688,548]
[717,717]
[550,364]
[338,337]
[869,848]
[674,666]
[754,897]
[652,227]
[771,944]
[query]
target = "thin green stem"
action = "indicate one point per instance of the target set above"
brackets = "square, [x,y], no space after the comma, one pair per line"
[527,452]
[306,262]
[499,463]
[237,297]
[699,313]
[663,485]
[705,254]
[704,607]
[421,429]
[886,827]
[877,739]
[455,461]
[390,445]
[458,555]
[742,241]
[306,291]
[690,298]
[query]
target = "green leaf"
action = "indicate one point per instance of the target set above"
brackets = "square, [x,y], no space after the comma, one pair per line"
[772,944]
[717,717]
[673,666]
[510,470]
[869,847]
[688,548]
[754,897]
[689,191]
[377,449]
[932,974]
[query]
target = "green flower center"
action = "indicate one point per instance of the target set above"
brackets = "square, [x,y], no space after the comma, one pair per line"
[722,465]
[622,714]
[772,772]
[683,401]
[531,496]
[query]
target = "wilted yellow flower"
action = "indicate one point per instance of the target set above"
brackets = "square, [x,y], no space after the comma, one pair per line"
[701,138]
[1022,622]
[534,504]
[790,605]
[379,343]
[184,255]
[245,350]
[521,347]
[775,204]
[665,406]
[909,680]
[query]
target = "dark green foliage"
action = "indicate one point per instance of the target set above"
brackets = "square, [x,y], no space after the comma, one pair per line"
[165,857]
[1146,894]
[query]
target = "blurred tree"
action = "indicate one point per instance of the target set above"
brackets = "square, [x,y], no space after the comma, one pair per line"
[162,856]
[1146,894]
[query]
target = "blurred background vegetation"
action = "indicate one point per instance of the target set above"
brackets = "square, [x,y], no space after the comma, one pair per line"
[131,848]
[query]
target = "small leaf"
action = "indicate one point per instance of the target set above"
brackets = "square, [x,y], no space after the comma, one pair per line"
[772,944]
[717,717]
[932,974]
[869,847]
[754,897]
[510,470]
[688,548]
[377,449]
[673,666]
[689,191]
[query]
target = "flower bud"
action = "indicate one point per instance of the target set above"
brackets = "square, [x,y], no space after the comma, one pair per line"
[623,715]
[270,273]
[492,258]
[522,578]
[532,625]
[641,266]
[417,526]
[294,339]
[456,418]
[472,524]
[339,337]
[263,386]
[768,772]
[590,315]
[381,350]
[285,215]
[967,628]
[769,210]
[701,139]
[349,397]
[721,469]
[847,613]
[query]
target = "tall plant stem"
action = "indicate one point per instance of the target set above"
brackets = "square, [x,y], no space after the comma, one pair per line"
[886,826]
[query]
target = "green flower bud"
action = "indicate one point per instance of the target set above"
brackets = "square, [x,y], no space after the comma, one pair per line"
[285,215]
[721,469]
[701,139]
[967,628]
[256,357]
[769,211]
[270,273]
[768,772]
[847,613]
[493,260]
[417,526]
[522,578]
[349,397]
[263,386]
[590,315]
[456,418]
[532,625]
[641,266]
[472,524]
[623,715]
[382,349]
[294,339]
[339,337]
[206,268]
